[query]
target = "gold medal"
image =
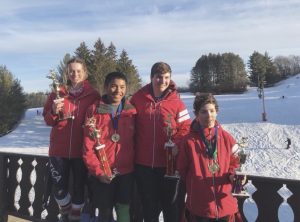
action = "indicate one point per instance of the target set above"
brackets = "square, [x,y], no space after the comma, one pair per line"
[115,137]
[214,167]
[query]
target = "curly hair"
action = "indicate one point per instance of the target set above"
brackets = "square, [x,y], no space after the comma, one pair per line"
[202,99]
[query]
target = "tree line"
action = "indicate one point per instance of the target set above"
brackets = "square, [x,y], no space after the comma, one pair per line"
[102,60]
[12,100]
[226,73]
[217,73]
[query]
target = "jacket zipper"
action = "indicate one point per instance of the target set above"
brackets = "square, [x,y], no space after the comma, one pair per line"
[215,198]
[154,130]
[72,123]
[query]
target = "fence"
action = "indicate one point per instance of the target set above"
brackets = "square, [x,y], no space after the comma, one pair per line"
[24,178]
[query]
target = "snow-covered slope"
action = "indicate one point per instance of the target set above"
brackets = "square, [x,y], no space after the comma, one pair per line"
[240,114]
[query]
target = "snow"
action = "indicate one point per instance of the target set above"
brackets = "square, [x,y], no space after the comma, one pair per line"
[240,114]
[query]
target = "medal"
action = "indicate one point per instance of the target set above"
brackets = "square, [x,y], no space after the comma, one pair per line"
[214,167]
[115,137]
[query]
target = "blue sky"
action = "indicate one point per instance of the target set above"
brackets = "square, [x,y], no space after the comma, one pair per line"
[35,35]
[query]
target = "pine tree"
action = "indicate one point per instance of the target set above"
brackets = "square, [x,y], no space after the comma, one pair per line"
[98,58]
[84,53]
[62,68]
[12,100]
[124,64]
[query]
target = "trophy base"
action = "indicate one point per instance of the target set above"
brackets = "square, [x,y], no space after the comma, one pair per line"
[172,177]
[243,193]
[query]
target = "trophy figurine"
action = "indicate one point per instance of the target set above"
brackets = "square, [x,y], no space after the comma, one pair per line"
[169,147]
[99,149]
[240,177]
[56,84]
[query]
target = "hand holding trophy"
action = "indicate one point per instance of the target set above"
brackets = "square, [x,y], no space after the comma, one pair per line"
[58,103]
[100,151]
[240,177]
[171,151]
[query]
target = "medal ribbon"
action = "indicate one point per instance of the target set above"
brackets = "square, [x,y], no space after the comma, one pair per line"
[115,116]
[211,149]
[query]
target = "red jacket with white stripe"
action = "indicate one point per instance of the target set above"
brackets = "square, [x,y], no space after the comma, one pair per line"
[151,122]
[66,137]
[120,154]
[208,195]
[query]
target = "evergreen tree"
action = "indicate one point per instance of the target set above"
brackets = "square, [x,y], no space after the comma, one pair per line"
[85,54]
[219,73]
[99,63]
[62,68]
[258,68]
[272,73]
[12,100]
[124,64]
[34,100]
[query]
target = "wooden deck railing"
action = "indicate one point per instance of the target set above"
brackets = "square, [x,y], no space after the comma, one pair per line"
[23,180]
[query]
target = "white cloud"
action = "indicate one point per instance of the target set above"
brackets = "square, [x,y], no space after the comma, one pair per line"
[177,32]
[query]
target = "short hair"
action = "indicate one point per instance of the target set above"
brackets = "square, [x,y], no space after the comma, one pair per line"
[160,68]
[114,75]
[202,99]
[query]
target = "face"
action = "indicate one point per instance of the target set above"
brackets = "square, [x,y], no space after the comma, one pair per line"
[76,73]
[160,82]
[207,115]
[116,90]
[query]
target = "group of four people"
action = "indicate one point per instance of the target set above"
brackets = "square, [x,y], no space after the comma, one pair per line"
[114,142]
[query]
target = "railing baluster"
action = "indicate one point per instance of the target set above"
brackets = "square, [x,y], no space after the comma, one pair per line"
[266,197]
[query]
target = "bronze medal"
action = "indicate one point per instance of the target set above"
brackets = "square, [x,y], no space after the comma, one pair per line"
[115,137]
[214,167]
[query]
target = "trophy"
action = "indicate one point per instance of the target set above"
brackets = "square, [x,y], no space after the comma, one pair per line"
[99,149]
[240,176]
[56,84]
[169,147]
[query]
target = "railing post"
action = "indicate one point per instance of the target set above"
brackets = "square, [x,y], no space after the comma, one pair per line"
[294,200]
[3,190]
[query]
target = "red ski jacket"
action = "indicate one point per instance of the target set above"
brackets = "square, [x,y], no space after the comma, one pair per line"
[66,137]
[119,154]
[152,121]
[208,195]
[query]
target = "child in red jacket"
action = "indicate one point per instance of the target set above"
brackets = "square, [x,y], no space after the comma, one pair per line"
[109,149]
[207,162]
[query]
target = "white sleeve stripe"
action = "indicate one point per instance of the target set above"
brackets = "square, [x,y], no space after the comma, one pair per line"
[235,148]
[183,118]
[182,113]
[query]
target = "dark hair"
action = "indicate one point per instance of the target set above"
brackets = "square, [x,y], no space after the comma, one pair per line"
[114,75]
[160,68]
[202,99]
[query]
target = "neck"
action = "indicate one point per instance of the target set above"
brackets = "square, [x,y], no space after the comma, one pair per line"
[77,85]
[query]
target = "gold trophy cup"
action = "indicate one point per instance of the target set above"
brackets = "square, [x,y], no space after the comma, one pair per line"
[240,177]
[56,87]
[169,147]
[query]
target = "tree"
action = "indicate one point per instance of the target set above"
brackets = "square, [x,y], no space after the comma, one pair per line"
[258,68]
[62,68]
[34,100]
[124,64]
[99,69]
[12,100]
[85,54]
[219,73]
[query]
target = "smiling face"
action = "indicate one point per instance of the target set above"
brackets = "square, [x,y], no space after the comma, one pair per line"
[115,91]
[160,82]
[76,73]
[207,115]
